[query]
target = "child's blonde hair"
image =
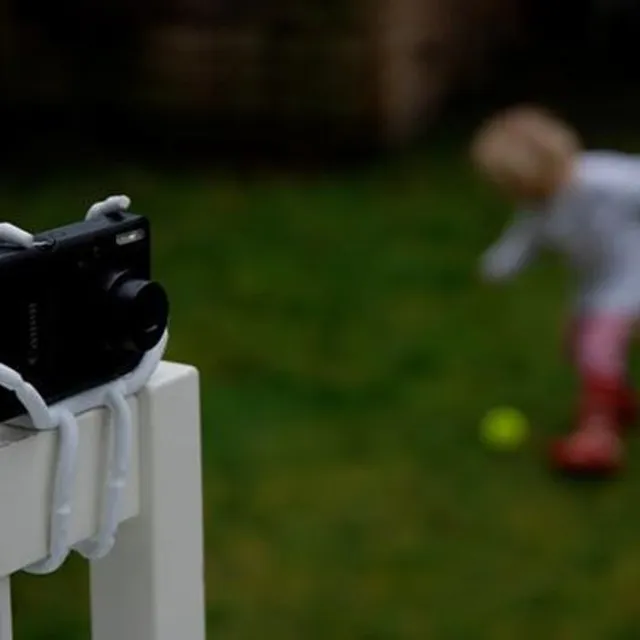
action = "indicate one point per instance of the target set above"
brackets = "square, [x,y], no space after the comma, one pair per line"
[525,150]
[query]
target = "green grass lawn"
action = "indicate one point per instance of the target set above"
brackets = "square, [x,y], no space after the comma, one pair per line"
[347,353]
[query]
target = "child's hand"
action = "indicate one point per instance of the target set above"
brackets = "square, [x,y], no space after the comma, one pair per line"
[500,263]
[513,250]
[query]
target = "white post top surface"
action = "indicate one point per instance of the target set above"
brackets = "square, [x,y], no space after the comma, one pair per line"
[9,435]
[27,460]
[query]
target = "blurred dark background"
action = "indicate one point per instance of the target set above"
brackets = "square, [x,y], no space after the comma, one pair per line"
[295,78]
[315,221]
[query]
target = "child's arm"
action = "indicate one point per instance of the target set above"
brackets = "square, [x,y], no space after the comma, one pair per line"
[513,250]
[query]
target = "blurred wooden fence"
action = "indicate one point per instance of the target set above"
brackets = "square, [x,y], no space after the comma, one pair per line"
[380,66]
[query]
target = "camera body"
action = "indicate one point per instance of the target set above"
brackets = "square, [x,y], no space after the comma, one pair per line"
[80,308]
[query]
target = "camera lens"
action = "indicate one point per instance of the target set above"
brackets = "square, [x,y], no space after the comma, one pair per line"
[141,311]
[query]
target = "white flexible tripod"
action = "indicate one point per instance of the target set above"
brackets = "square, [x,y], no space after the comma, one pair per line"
[62,416]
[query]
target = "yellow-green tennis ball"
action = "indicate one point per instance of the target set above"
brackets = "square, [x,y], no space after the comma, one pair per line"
[504,428]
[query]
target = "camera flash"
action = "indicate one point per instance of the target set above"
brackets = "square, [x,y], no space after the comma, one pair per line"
[130,236]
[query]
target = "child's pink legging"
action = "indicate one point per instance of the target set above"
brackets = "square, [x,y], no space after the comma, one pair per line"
[599,347]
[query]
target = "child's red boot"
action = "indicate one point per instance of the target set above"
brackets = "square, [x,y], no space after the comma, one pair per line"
[594,448]
[627,408]
[596,445]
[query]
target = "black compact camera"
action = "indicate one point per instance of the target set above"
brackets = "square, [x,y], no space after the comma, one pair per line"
[79,307]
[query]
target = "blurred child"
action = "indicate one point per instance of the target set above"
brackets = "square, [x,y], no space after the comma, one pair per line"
[585,205]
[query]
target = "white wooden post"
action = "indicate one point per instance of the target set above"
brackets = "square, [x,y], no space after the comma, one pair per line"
[150,587]
[6,623]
